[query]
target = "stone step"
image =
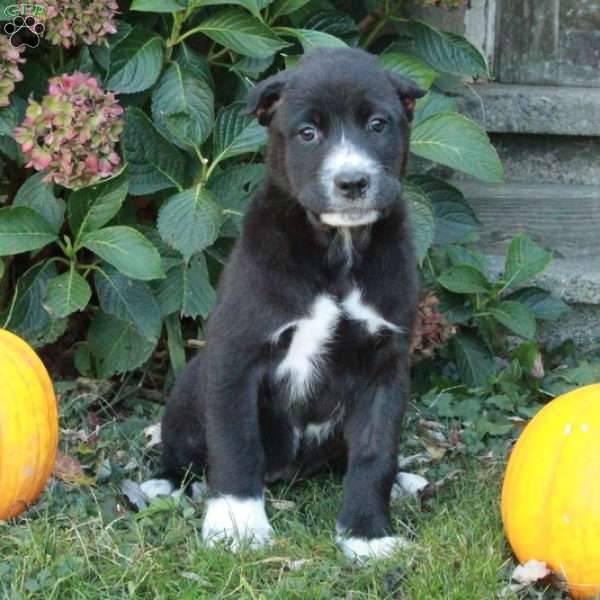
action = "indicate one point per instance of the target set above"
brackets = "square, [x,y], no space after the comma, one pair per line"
[505,108]
[549,158]
[563,218]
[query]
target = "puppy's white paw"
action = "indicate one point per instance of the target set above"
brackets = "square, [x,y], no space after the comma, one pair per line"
[237,521]
[157,487]
[361,549]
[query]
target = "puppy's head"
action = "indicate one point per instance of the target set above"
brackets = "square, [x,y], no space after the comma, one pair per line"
[339,134]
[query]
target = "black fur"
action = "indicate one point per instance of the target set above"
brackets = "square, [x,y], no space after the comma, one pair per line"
[227,414]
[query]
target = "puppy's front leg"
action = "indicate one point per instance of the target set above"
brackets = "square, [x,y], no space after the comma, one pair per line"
[371,432]
[235,510]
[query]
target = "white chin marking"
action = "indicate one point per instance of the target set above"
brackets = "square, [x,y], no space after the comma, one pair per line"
[349,219]
[361,549]
[237,521]
[157,487]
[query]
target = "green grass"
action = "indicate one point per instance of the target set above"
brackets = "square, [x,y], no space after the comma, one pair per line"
[84,542]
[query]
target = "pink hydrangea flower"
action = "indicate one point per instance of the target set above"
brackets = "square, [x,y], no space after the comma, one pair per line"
[73,22]
[73,132]
[10,58]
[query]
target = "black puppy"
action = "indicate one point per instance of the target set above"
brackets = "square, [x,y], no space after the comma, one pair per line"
[309,342]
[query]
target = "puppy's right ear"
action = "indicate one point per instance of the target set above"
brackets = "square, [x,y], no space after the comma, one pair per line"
[265,96]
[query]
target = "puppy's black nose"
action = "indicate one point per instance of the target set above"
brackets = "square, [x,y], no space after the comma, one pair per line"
[352,184]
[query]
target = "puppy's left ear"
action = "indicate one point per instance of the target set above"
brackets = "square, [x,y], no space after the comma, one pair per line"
[265,96]
[408,91]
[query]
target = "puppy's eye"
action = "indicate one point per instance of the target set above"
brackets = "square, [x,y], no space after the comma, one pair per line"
[308,134]
[377,125]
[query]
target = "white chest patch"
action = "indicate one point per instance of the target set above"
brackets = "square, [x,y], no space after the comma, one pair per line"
[312,335]
[357,310]
[308,346]
[317,433]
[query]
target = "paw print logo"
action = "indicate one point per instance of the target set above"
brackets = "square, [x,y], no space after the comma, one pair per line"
[24,31]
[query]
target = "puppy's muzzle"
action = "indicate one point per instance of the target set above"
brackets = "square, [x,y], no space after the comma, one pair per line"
[351,185]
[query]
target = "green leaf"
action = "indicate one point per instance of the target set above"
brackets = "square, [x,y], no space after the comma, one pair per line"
[127,250]
[454,140]
[432,103]
[153,163]
[464,279]
[524,260]
[135,62]
[474,362]
[421,218]
[252,67]
[410,66]
[236,133]
[242,33]
[459,255]
[12,115]
[286,7]
[175,343]
[455,220]
[94,206]
[129,300]
[311,38]
[182,105]
[116,345]
[67,294]
[232,188]
[541,303]
[194,63]
[39,196]
[23,229]
[29,318]
[187,289]
[11,150]
[334,22]
[189,221]
[252,6]
[514,316]
[158,6]
[527,354]
[446,51]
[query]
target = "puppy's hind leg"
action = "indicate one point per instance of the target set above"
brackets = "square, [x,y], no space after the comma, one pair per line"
[183,437]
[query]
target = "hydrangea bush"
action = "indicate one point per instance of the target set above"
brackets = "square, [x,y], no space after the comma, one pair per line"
[127,162]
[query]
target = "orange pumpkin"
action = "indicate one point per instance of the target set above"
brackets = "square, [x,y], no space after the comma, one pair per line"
[28,425]
[551,493]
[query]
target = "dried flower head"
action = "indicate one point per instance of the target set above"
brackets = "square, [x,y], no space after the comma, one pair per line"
[10,58]
[72,22]
[72,133]
[431,330]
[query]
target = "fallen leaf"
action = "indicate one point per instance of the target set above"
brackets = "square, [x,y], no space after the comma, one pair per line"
[69,470]
[530,572]
[296,565]
[133,492]
[419,459]
[537,370]
[283,504]
[408,484]
[436,452]
[154,433]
